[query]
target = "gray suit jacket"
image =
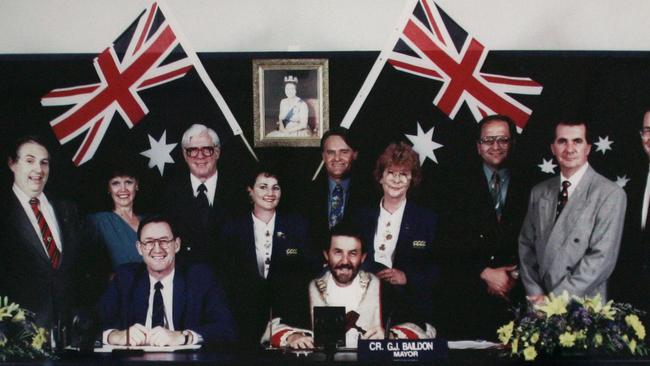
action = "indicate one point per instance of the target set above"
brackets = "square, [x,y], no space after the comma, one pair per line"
[578,252]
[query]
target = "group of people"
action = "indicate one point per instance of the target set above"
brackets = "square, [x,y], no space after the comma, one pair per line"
[194,273]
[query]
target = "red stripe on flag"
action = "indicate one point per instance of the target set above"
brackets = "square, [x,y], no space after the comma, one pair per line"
[510,81]
[57,93]
[146,28]
[433,23]
[163,77]
[90,137]
[409,333]
[413,68]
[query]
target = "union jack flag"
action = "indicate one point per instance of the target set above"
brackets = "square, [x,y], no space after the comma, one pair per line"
[146,55]
[428,47]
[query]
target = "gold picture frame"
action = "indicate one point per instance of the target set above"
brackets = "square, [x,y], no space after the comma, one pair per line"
[287,115]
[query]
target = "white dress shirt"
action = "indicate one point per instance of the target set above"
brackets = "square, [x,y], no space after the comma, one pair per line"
[210,184]
[644,204]
[48,214]
[575,179]
[263,243]
[167,292]
[388,227]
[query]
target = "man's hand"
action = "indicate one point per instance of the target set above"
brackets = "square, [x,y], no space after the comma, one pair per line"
[300,341]
[536,299]
[374,333]
[160,336]
[393,276]
[498,280]
[138,334]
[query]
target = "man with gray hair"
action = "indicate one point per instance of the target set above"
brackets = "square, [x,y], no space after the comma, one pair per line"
[194,201]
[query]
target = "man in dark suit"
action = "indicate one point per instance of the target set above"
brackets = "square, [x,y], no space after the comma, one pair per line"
[334,195]
[194,201]
[41,237]
[480,228]
[632,273]
[161,304]
[571,235]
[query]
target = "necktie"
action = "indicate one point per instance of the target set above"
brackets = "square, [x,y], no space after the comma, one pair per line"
[562,198]
[495,191]
[336,210]
[46,233]
[158,311]
[203,203]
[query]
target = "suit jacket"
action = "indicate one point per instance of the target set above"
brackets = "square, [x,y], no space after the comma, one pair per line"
[281,294]
[414,255]
[27,275]
[198,234]
[199,302]
[473,240]
[577,252]
[316,205]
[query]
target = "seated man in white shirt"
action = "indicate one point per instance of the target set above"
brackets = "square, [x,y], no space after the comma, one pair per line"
[343,284]
[161,304]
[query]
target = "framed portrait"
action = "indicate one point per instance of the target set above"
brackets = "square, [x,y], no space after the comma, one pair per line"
[290,101]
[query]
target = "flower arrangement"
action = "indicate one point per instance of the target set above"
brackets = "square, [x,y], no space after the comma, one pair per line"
[574,325]
[20,338]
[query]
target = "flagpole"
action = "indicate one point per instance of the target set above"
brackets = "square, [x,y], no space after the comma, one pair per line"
[203,74]
[352,112]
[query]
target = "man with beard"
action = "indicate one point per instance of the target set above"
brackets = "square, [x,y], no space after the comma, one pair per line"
[344,284]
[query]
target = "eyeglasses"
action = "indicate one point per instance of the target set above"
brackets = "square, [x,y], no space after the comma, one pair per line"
[162,243]
[644,132]
[491,140]
[193,152]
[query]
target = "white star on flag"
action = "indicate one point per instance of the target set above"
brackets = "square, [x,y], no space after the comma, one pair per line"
[547,166]
[603,144]
[424,145]
[159,153]
[622,181]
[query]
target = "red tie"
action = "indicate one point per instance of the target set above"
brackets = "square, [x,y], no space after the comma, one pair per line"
[46,233]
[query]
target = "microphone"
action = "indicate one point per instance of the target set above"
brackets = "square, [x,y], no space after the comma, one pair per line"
[387,325]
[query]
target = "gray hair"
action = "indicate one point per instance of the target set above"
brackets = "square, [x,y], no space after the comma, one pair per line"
[199,129]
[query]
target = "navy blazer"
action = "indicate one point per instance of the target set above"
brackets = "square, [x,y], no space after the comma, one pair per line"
[27,275]
[199,302]
[414,255]
[284,292]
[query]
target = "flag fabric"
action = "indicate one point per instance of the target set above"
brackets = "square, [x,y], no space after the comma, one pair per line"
[432,45]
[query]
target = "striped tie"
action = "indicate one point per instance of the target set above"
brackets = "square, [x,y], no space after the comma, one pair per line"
[46,233]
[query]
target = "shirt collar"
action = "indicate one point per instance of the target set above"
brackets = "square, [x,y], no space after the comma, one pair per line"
[167,281]
[331,183]
[22,197]
[504,173]
[576,177]
[257,223]
[210,184]
[397,215]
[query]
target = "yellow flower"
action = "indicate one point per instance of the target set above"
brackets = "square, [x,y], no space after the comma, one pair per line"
[632,345]
[591,303]
[39,338]
[567,339]
[534,338]
[530,353]
[598,340]
[505,332]
[554,305]
[19,317]
[515,345]
[633,321]
[580,335]
[608,312]
[3,339]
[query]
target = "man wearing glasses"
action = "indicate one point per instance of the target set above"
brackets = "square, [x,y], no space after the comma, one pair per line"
[161,304]
[194,201]
[487,208]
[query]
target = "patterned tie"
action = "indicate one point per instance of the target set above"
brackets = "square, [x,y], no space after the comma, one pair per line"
[46,233]
[158,311]
[562,198]
[336,211]
[203,203]
[495,191]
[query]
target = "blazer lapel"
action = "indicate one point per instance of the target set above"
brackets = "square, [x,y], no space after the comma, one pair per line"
[405,234]
[26,230]
[140,303]
[279,242]
[62,218]
[179,300]
[248,239]
[373,217]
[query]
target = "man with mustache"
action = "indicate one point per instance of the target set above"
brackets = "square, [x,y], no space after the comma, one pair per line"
[572,232]
[344,284]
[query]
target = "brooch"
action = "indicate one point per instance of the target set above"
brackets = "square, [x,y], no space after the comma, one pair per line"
[419,244]
[280,235]
[292,251]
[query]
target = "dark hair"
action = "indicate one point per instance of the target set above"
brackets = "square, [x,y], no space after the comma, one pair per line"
[155,219]
[122,171]
[16,145]
[266,170]
[340,132]
[399,154]
[500,118]
[572,123]
[344,228]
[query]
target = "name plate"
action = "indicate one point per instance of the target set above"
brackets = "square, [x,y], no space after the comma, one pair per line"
[402,350]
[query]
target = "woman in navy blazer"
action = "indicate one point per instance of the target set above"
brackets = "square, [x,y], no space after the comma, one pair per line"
[399,238]
[265,261]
